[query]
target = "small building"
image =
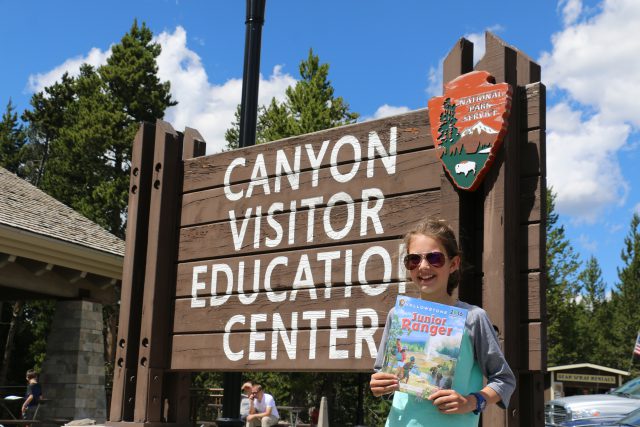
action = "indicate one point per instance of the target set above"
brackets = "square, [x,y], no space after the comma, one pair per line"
[582,378]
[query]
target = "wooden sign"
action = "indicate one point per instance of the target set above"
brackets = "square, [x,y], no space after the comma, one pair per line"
[470,122]
[285,256]
[288,253]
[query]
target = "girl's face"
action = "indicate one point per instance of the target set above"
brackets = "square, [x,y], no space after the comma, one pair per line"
[431,280]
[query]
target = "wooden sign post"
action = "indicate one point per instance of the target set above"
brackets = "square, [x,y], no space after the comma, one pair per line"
[284,256]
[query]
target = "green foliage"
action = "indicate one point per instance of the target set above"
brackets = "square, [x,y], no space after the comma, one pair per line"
[46,119]
[626,316]
[448,133]
[563,290]
[309,106]
[593,327]
[82,129]
[12,139]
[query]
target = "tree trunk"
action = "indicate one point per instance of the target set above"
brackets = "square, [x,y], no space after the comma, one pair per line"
[8,348]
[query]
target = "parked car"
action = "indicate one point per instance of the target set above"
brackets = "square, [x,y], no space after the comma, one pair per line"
[607,407]
[630,420]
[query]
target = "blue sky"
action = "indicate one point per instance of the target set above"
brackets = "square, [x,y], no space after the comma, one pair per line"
[385,58]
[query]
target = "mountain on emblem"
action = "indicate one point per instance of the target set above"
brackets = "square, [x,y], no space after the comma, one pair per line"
[468,125]
[478,128]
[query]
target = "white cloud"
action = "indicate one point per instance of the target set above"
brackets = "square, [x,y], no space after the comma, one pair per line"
[389,110]
[592,69]
[587,243]
[203,105]
[434,87]
[571,10]
[596,62]
[636,208]
[95,57]
[582,166]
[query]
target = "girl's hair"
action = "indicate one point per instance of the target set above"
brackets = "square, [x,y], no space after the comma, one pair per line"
[31,374]
[439,230]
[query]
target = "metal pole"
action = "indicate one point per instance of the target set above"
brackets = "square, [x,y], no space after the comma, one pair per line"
[248,119]
[251,76]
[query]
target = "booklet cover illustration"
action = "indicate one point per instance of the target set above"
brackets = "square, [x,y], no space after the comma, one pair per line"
[424,345]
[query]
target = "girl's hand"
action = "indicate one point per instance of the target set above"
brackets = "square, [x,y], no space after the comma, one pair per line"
[383,383]
[452,402]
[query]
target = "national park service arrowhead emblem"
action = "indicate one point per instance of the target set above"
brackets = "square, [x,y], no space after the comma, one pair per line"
[468,125]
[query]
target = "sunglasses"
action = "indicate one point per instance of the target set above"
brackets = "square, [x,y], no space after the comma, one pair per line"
[435,259]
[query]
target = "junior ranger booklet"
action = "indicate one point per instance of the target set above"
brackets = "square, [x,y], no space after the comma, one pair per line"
[424,345]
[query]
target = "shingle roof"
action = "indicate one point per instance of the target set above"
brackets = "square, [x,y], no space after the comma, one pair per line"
[26,207]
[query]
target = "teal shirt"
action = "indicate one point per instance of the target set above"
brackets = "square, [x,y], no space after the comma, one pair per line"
[409,411]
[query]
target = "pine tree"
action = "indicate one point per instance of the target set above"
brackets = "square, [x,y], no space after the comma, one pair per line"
[45,120]
[626,316]
[563,290]
[448,133]
[593,326]
[83,128]
[309,106]
[12,139]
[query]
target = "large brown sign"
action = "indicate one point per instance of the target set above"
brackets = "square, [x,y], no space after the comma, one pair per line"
[284,256]
[288,252]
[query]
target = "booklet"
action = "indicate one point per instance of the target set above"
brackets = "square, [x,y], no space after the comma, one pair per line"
[424,345]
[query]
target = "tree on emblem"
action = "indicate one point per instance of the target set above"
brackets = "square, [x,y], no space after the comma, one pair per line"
[448,132]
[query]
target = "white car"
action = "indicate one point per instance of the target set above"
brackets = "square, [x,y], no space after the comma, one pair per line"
[617,403]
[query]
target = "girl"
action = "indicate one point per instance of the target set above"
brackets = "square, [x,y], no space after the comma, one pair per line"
[433,262]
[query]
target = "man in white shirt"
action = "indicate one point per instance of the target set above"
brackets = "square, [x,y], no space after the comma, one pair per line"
[263,411]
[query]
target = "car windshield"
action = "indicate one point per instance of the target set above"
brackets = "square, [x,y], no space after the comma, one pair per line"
[630,389]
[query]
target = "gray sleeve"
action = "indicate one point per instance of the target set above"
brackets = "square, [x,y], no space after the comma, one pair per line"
[382,348]
[489,355]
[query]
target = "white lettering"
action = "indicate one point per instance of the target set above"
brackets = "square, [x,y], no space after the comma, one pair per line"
[231,355]
[272,243]
[259,176]
[327,257]
[238,237]
[313,317]
[371,213]
[273,297]
[254,336]
[311,203]
[314,161]
[388,158]
[335,173]
[339,197]
[223,268]
[196,286]
[366,335]
[279,329]
[304,268]
[282,164]
[238,161]
[335,334]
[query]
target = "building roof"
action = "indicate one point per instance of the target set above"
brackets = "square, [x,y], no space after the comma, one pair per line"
[587,365]
[29,209]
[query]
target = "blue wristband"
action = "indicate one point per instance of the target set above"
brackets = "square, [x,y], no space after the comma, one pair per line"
[481,403]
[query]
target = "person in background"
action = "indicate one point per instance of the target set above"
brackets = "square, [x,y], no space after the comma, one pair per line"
[245,402]
[263,411]
[32,397]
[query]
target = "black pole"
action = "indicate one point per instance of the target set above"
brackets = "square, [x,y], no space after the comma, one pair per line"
[248,119]
[251,75]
